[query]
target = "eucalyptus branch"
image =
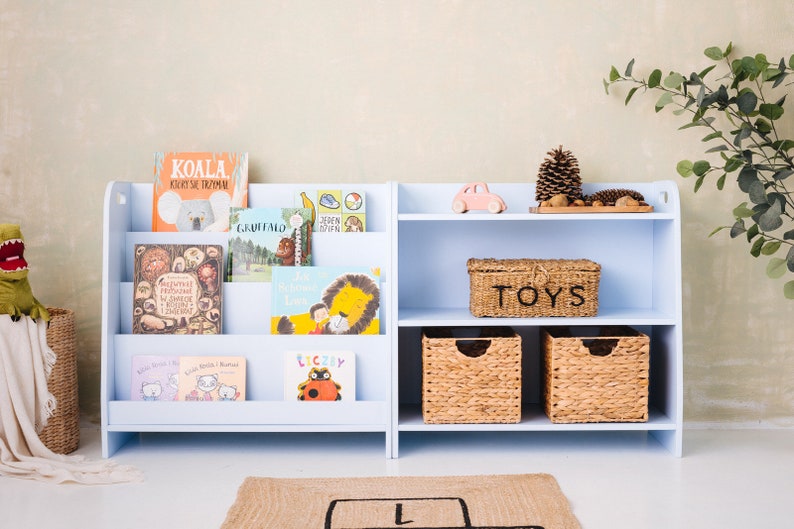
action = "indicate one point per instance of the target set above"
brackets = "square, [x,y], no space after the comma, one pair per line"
[747,139]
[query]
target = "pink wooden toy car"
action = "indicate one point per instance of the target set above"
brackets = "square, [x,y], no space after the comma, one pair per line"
[475,195]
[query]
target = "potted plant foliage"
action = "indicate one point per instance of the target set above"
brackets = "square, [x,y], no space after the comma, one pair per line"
[739,111]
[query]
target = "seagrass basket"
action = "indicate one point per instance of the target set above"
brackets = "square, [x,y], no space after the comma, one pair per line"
[62,433]
[601,378]
[524,288]
[471,379]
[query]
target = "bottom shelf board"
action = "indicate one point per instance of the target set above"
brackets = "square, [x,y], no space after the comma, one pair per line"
[123,415]
[533,418]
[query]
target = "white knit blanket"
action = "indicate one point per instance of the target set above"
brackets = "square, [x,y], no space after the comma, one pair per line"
[25,406]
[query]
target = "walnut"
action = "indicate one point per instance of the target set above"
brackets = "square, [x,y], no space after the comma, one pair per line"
[559,201]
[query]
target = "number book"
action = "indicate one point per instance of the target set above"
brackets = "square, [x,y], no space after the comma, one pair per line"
[335,210]
[211,378]
[154,377]
[177,289]
[261,238]
[325,300]
[193,191]
[314,375]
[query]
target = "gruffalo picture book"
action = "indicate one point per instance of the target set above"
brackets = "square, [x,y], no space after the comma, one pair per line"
[325,300]
[193,191]
[177,289]
[263,238]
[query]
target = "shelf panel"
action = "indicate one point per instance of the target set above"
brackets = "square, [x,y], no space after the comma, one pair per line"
[417,317]
[533,418]
[479,216]
[245,416]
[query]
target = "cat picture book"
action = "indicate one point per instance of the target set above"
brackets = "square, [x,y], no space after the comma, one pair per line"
[211,378]
[325,300]
[154,377]
[194,191]
[320,375]
[177,289]
[263,238]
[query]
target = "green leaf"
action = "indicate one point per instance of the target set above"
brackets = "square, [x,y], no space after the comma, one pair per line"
[788,290]
[790,259]
[655,78]
[606,86]
[714,53]
[770,248]
[699,182]
[630,94]
[742,211]
[674,80]
[700,167]
[717,230]
[755,249]
[771,219]
[753,232]
[713,135]
[613,74]
[717,148]
[763,126]
[788,235]
[684,168]
[747,101]
[703,74]
[664,100]
[770,111]
[737,229]
[721,181]
[733,163]
[629,68]
[776,268]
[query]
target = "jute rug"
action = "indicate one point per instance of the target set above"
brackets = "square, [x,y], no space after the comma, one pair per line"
[521,501]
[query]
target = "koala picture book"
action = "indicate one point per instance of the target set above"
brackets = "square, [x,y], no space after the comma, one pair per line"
[187,378]
[262,238]
[177,289]
[325,300]
[320,375]
[194,191]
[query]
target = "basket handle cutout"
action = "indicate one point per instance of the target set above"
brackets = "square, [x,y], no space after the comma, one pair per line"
[473,348]
[540,276]
[600,346]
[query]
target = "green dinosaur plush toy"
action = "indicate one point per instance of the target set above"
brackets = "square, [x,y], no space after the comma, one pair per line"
[16,297]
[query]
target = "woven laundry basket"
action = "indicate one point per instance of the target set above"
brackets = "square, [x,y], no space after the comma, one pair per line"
[471,379]
[601,378]
[523,288]
[62,433]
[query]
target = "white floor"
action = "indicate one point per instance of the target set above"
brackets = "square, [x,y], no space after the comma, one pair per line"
[726,479]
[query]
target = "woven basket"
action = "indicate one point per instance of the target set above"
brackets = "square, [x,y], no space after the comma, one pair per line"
[596,379]
[523,288]
[471,379]
[62,433]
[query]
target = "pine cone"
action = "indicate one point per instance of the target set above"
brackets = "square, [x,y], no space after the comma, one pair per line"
[609,196]
[559,174]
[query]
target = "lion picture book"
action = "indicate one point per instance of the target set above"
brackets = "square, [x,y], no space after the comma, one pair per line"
[193,191]
[325,300]
[177,289]
[319,375]
[263,238]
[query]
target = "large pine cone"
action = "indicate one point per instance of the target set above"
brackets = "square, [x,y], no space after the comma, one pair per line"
[609,196]
[559,174]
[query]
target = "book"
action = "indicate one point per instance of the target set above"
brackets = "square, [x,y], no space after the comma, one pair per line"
[335,210]
[154,377]
[193,191]
[261,238]
[177,289]
[325,300]
[212,378]
[314,375]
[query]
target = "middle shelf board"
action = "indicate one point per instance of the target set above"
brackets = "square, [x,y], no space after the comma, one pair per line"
[434,317]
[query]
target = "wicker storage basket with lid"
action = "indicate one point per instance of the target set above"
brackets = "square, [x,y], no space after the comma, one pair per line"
[62,433]
[599,377]
[471,378]
[523,288]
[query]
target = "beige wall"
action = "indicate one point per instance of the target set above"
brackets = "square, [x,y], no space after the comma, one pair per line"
[379,91]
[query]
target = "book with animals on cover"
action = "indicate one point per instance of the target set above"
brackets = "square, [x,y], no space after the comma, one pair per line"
[335,210]
[316,375]
[212,378]
[325,300]
[263,238]
[193,191]
[154,377]
[177,289]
